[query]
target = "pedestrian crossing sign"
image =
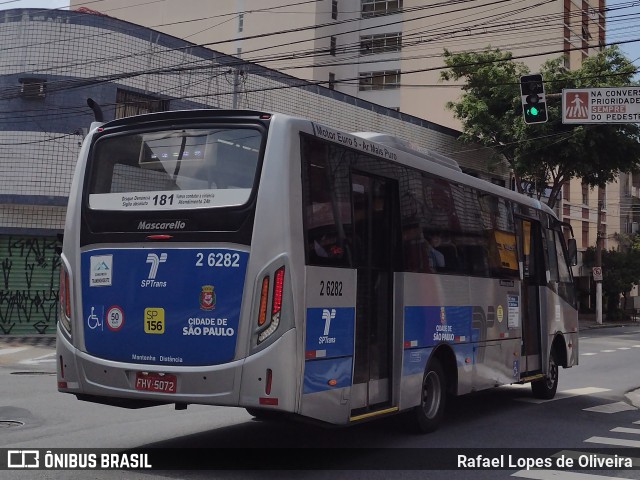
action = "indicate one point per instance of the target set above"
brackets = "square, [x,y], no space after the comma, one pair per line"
[601,105]
[576,105]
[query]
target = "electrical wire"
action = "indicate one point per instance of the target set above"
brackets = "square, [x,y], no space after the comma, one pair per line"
[132,74]
[145,52]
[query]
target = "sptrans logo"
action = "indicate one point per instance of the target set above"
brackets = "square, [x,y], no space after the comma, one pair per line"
[155,262]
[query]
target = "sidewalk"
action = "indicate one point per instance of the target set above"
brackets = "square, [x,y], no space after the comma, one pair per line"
[588,321]
[48,340]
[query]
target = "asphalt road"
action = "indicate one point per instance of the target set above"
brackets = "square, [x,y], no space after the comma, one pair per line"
[593,409]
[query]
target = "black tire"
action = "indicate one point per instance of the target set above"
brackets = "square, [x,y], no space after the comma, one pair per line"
[430,413]
[546,388]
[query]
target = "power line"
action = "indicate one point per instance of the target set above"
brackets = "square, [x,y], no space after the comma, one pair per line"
[76,83]
[263,60]
[295,30]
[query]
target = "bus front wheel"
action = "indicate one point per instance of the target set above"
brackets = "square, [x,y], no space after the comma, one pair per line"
[430,412]
[547,386]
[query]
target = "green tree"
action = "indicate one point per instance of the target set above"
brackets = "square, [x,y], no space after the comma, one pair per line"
[543,156]
[621,272]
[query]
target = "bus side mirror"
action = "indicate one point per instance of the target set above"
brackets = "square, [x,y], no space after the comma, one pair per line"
[572,248]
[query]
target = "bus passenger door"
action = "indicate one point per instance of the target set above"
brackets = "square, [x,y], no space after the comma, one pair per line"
[531,268]
[374,200]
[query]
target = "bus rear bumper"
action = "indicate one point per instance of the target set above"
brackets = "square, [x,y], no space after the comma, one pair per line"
[103,381]
[263,380]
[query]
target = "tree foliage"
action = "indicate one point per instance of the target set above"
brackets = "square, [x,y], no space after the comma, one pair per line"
[621,272]
[543,156]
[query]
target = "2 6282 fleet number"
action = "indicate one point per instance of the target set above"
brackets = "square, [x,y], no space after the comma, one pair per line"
[231,260]
[331,288]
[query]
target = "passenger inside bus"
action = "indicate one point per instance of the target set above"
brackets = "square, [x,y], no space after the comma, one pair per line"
[435,257]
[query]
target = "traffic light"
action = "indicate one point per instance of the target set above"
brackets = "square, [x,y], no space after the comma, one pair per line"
[534,104]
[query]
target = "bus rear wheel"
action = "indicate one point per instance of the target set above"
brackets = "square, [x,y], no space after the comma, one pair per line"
[430,412]
[546,388]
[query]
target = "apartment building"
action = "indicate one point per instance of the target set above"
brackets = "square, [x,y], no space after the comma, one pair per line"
[390,52]
[385,51]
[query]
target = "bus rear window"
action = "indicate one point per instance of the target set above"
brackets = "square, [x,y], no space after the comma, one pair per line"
[174,169]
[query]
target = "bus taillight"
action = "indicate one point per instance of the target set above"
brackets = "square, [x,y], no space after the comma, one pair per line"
[267,385]
[65,300]
[276,304]
[264,296]
[278,282]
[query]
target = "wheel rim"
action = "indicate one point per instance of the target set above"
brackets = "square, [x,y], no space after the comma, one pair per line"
[431,394]
[552,375]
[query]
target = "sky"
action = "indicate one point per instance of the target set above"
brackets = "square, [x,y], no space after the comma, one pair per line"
[625,29]
[623,24]
[5,4]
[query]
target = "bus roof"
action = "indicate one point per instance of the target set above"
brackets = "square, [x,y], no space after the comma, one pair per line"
[406,152]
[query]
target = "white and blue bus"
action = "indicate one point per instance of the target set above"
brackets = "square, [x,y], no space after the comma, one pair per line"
[252,259]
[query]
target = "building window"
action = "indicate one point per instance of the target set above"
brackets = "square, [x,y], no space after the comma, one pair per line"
[566,191]
[241,22]
[332,47]
[602,197]
[332,81]
[334,9]
[374,8]
[585,194]
[32,87]
[131,103]
[382,43]
[382,80]
[585,234]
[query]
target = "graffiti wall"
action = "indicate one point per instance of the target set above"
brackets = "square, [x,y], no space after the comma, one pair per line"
[28,285]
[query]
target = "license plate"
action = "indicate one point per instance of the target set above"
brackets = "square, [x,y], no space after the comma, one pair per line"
[156,382]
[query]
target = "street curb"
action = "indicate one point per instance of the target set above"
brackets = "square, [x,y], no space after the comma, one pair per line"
[34,340]
[591,326]
[634,397]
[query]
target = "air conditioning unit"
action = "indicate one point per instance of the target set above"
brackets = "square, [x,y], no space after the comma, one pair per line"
[32,87]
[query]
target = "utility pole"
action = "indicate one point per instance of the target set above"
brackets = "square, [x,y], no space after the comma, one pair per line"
[599,240]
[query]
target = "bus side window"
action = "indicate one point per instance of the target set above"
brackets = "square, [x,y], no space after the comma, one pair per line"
[327,209]
[565,280]
[552,259]
[413,248]
[449,252]
[476,258]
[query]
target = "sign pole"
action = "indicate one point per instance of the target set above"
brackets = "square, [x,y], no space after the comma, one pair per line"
[599,262]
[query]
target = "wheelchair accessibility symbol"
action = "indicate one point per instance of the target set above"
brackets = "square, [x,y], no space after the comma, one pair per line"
[93,321]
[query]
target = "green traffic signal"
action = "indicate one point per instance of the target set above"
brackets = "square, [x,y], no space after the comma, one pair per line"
[533,98]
